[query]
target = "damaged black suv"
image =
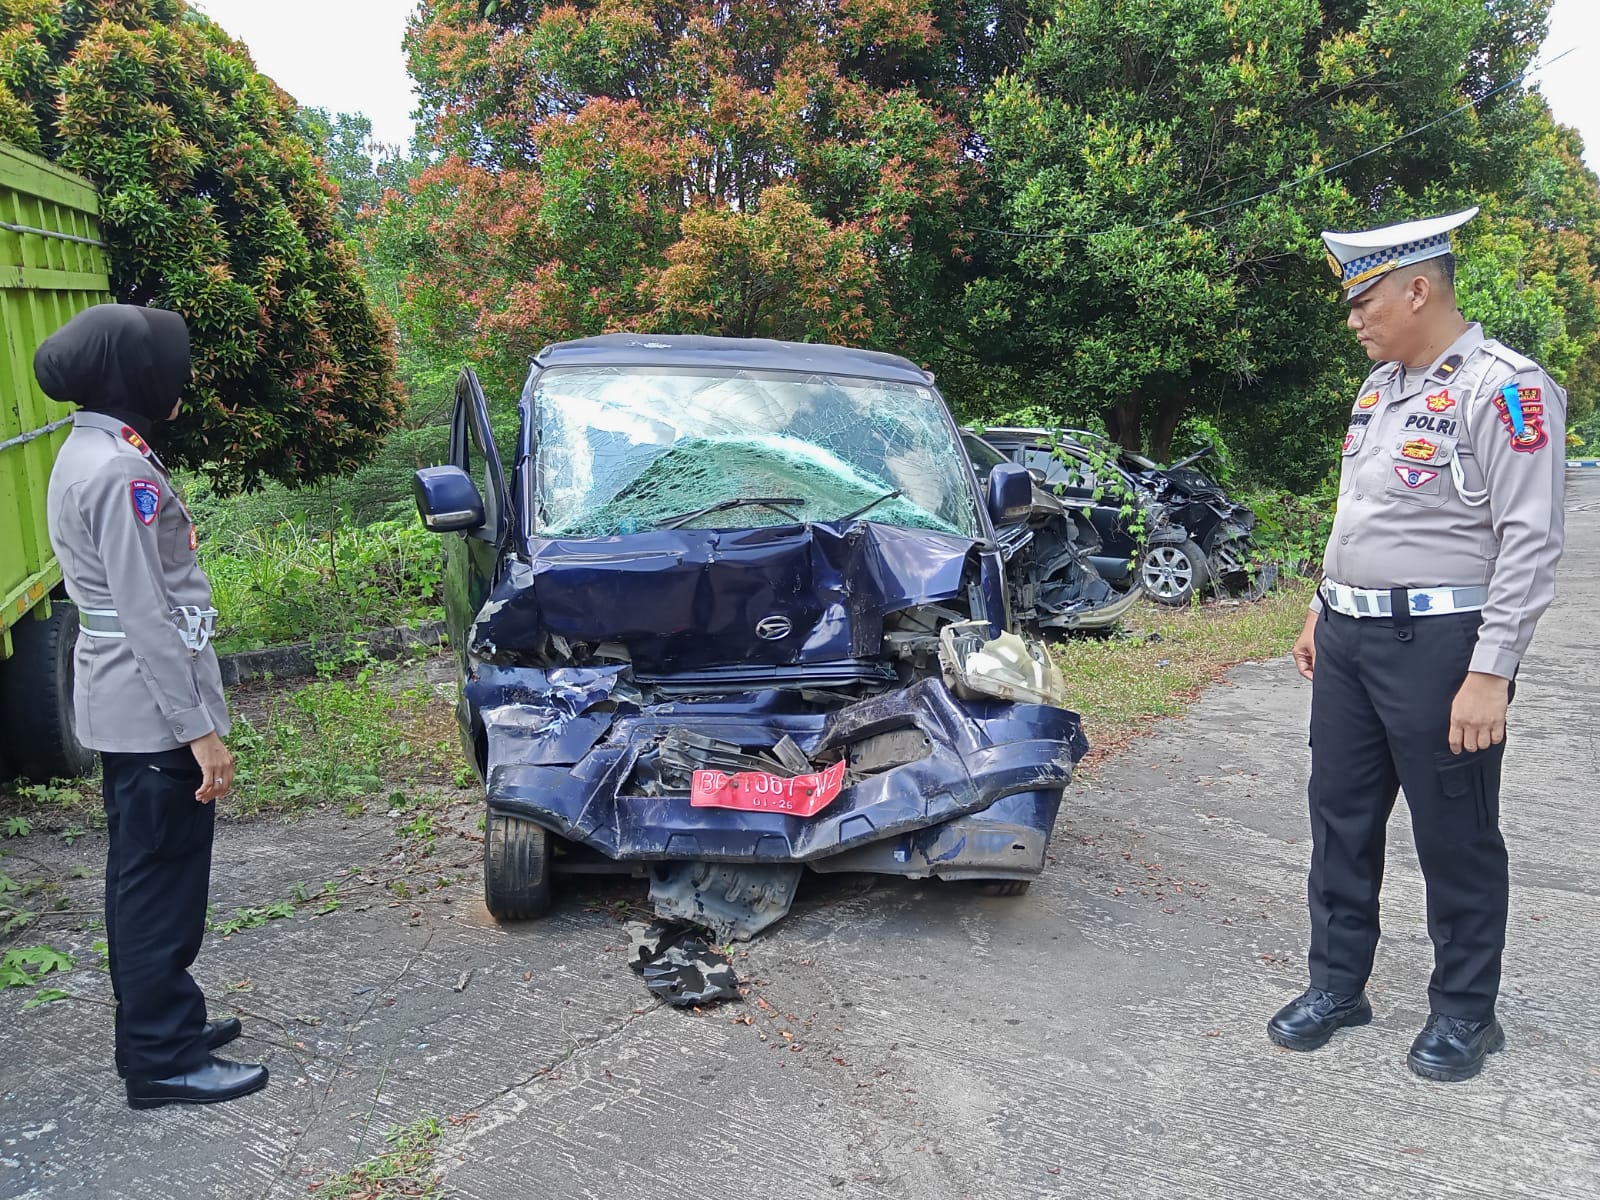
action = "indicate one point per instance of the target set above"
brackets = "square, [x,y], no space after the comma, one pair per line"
[731,608]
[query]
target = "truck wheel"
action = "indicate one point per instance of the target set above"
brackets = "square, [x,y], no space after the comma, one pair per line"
[516,868]
[1173,572]
[36,699]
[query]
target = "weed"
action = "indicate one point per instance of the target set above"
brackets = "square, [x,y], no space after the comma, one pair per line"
[26,967]
[251,918]
[420,826]
[62,792]
[18,827]
[405,1169]
[328,742]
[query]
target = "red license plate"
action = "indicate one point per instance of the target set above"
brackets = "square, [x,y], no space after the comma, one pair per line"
[758,791]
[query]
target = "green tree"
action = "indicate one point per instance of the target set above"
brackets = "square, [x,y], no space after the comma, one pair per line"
[213,205]
[358,164]
[1133,286]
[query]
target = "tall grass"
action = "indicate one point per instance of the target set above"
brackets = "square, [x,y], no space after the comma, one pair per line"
[288,582]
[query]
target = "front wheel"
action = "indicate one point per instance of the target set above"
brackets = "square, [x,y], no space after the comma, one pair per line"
[516,868]
[1173,572]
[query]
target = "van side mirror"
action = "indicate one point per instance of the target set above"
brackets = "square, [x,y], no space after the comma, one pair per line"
[447,500]
[1010,494]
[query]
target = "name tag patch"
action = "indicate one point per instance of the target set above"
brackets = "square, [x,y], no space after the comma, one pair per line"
[1443,425]
[1415,477]
[146,500]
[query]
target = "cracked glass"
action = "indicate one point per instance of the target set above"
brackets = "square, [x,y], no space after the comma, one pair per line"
[625,449]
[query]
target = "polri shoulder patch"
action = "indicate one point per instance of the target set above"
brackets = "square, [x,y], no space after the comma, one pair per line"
[146,500]
[1524,419]
[1448,367]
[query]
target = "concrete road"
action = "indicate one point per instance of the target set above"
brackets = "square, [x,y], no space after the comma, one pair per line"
[1099,1037]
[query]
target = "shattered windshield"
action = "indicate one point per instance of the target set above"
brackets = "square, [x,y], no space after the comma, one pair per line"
[626,449]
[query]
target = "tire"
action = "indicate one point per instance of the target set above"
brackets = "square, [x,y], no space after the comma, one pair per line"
[1173,572]
[1005,887]
[516,868]
[36,699]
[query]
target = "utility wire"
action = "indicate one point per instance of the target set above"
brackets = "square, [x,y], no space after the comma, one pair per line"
[1293,183]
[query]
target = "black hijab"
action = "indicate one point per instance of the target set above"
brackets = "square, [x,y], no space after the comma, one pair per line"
[125,361]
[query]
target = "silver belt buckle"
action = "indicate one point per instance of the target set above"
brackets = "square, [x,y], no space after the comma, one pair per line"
[195,625]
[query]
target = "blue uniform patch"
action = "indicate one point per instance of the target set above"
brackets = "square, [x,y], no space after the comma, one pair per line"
[1421,604]
[146,500]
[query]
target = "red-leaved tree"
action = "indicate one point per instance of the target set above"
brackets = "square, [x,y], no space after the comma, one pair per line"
[750,168]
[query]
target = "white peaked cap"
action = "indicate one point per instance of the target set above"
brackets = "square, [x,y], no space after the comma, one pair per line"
[1360,259]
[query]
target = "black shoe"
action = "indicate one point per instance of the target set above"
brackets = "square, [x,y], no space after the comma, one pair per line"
[212,1082]
[1450,1049]
[1310,1019]
[218,1033]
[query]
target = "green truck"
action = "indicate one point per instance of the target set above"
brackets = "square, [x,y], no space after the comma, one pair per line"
[52,265]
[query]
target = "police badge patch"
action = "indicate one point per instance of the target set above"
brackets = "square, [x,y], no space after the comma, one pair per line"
[146,500]
[1532,435]
[1370,400]
[1441,402]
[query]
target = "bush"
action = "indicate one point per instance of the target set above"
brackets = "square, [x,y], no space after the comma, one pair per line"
[1292,530]
[289,582]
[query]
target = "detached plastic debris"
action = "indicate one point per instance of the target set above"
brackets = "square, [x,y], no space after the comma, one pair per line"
[1006,668]
[679,966]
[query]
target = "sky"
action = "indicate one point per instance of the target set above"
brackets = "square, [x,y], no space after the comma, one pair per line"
[1569,85]
[345,56]
[341,55]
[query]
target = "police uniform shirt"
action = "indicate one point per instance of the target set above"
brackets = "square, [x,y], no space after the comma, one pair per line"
[1440,488]
[126,545]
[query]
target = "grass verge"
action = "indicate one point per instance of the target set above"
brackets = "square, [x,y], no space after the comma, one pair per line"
[1157,667]
[367,730]
[405,1169]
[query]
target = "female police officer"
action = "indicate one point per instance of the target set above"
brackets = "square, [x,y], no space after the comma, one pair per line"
[148,692]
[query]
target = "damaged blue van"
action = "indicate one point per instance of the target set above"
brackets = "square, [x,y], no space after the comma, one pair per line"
[727,609]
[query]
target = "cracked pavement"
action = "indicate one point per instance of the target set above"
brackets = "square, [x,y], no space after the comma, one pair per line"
[1101,1036]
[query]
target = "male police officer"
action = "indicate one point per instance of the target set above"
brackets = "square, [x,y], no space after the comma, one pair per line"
[1442,558]
[149,691]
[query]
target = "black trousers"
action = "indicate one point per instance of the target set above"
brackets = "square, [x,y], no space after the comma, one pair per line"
[1380,721]
[158,873]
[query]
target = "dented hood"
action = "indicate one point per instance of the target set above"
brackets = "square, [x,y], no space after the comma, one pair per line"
[686,600]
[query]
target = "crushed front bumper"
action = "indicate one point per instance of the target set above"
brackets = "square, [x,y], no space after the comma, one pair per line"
[979,802]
